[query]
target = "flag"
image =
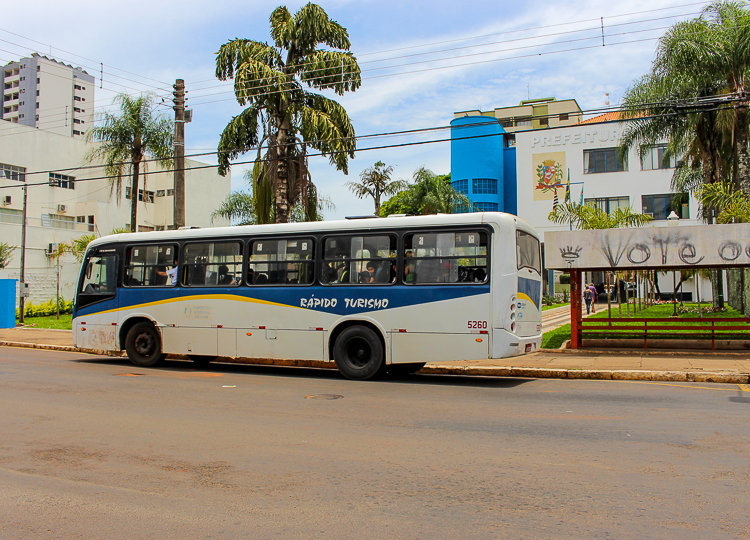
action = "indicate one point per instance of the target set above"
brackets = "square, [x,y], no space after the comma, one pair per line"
[555,201]
[581,195]
[567,188]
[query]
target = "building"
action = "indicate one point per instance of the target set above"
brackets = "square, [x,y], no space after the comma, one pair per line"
[533,114]
[75,200]
[43,93]
[523,178]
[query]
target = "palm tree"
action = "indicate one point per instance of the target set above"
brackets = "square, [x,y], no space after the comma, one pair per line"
[430,193]
[282,116]
[128,139]
[585,216]
[733,206]
[6,254]
[376,182]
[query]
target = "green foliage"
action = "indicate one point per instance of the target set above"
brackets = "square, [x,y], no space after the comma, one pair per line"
[6,254]
[45,309]
[429,193]
[283,117]
[564,279]
[733,205]
[376,182]
[584,216]
[126,140]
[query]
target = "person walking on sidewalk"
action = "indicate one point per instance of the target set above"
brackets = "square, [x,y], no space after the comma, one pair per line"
[587,297]
[593,297]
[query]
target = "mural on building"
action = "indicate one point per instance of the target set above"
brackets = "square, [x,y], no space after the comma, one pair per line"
[549,169]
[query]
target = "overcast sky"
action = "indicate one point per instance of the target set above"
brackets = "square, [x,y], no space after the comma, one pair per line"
[420,61]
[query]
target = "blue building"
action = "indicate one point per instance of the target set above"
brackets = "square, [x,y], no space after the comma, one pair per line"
[483,163]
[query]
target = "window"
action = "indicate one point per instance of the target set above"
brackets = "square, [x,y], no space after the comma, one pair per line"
[462,186]
[170,193]
[481,186]
[76,98]
[76,121]
[603,160]
[8,215]
[58,221]
[160,193]
[485,207]
[654,159]
[660,206]
[146,228]
[213,264]
[76,87]
[544,121]
[563,117]
[76,132]
[523,121]
[76,109]
[358,259]
[37,93]
[62,181]
[100,276]
[445,257]
[285,261]
[609,204]
[506,122]
[148,195]
[11,172]
[527,251]
[151,266]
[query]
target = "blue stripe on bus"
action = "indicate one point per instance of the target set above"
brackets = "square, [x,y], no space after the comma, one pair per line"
[531,290]
[336,300]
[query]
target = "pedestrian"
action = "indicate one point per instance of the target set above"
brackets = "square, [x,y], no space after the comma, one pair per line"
[587,297]
[593,297]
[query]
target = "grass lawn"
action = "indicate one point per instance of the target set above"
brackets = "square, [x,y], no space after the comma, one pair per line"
[545,308]
[64,323]
[555,338]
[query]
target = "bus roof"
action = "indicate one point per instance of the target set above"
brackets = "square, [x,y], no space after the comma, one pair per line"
[374,223]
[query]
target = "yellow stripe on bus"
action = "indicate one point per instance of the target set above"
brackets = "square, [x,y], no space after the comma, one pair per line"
[522,296]
[233,297]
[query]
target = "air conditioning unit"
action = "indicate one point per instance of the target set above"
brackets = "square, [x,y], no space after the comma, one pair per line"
[61,208]
[50,250]
[6,199]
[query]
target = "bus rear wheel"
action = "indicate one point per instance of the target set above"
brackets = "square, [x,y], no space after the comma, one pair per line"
[143,345]
[358,353]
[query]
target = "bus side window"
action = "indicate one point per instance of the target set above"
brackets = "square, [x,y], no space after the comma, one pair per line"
[100,276]
[281,261]
[445,257]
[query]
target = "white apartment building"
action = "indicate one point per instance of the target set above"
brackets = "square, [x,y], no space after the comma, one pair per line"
[588,152]
[69,204]
[43,93]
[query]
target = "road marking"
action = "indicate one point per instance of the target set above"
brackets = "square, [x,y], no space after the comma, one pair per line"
[684,386]
[744,387]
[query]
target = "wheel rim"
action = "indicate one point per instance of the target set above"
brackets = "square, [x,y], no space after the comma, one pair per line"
[358,352]
[145,344]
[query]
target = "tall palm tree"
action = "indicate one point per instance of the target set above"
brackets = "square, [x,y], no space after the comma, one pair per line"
[282,116]
[586,216]
[126,140]
[376,182]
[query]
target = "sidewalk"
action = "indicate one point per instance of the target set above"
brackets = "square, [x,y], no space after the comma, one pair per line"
[622,364]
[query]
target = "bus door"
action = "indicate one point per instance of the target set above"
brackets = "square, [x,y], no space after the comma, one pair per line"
[529,282]
[95,324]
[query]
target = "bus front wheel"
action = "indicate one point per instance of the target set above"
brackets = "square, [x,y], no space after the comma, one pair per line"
[358,353]
[143,345]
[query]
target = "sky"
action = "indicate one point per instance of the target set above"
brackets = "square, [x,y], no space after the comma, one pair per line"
[421,62]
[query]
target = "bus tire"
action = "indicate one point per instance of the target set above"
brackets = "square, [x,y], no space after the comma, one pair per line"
[404,369]
[358,353]
[143,345]
[201,360]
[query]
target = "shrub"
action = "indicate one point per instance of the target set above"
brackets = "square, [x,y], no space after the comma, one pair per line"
[564,279]
[45,309]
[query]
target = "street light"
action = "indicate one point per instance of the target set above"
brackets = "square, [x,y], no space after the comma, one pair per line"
[672,221]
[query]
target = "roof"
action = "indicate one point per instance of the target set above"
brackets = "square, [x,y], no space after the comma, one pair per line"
[611,116]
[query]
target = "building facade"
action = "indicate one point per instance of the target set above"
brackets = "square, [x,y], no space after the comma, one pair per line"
[75,199]
[43,93]
[532,114]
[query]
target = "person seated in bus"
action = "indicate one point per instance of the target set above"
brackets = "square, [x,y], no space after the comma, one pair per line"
[445,273]
[166,275]
[261,279]
[224,277]
[250,276]
[479,275]
[370,275]
[409,270]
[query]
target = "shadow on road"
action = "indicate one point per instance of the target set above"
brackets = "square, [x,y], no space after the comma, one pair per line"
[307,372]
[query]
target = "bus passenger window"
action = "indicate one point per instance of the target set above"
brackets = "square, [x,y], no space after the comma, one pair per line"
[358,259]
[149,266]
[281,261]
[445,257]
[212,264]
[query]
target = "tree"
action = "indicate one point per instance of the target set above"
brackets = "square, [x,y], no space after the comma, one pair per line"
[732,205]
[126,140]
[239,207]
[283,117]
[376,182]
[6,254]
[585,216]
[79,245]
[430,193]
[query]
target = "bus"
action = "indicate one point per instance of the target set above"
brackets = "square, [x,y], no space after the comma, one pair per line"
[370,295]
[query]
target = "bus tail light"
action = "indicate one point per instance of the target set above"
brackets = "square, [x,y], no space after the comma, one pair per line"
[513,327]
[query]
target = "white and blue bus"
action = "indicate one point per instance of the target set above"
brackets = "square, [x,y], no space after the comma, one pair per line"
[371,295]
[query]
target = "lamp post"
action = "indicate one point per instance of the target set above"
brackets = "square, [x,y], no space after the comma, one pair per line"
[672,221]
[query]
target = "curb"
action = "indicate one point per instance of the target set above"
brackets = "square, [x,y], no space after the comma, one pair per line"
[473,371]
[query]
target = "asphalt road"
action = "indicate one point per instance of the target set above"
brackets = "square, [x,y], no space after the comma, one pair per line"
[92,447]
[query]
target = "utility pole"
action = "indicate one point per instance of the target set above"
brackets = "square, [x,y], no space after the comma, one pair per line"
[21,287]
[179,154]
